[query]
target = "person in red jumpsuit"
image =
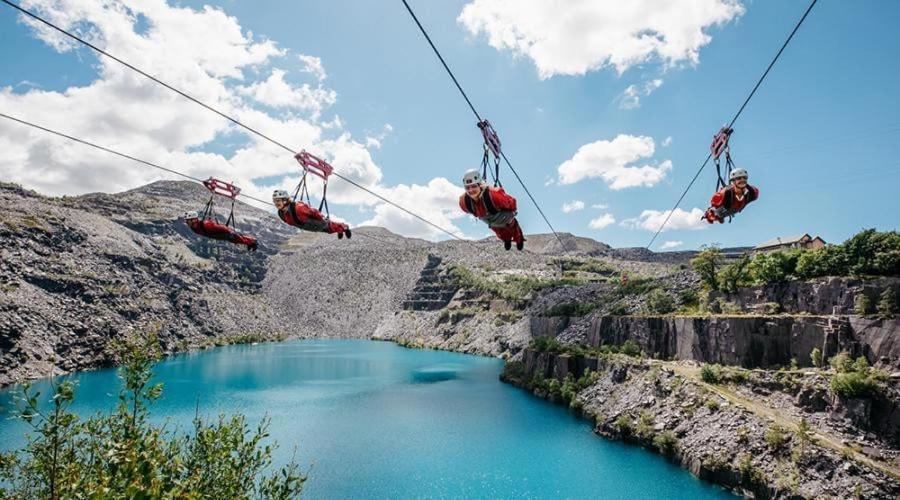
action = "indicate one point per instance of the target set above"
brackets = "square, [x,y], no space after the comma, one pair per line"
[731,199]
[305,217]
[212,229]
[493,206]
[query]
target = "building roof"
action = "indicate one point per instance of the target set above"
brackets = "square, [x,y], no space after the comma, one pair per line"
[779,241]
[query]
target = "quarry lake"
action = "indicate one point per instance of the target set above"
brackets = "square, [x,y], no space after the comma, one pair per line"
[375,420]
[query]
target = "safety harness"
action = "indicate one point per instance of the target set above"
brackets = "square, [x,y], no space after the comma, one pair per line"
[720,145]
[491,149]
[488,203]
[311,164]
[221,188]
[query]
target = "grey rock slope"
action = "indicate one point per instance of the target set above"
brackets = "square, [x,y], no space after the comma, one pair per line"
[77,273]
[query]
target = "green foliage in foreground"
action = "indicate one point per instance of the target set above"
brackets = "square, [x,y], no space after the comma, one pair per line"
[123,455]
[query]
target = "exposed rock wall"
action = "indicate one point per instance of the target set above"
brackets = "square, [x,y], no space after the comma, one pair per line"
[818,296]
[749,341]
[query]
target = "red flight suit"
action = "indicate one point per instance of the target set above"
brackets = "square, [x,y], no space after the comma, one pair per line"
[496,208]
[727,202]
[309,219]
[216,231]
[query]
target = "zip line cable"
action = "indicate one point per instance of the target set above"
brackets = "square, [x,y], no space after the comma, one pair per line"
[733,120]
[223,115]
[478,116]
[138,160]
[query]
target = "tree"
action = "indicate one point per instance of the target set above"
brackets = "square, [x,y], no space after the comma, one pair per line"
[734,276]
[887,306]
[707,264]
[816,357]
[861,304]
[873,252]
[827,261]
[123,455]
[659,302]
[773,267]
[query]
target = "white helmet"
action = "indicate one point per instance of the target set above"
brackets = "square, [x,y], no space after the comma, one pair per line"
[472,177]
[280,194]
[738,172]
[191,215]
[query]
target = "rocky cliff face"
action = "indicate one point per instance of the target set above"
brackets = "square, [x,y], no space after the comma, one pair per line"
[819,296]
[748,341]
[73,280]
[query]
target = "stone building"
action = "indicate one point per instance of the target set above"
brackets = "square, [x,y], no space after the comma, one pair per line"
[779,244]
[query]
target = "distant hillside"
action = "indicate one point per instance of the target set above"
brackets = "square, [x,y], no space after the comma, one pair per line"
[78,272]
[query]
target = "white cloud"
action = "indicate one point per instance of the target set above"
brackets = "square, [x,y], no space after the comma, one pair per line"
[600,206]
[666,142]
[602,221]
[208,54]
[651,220]
[572,206]
[668,245]
[630,98]
[611,161]
[278,93]
[375,141]
[313,65]
[576,36]
[437,201]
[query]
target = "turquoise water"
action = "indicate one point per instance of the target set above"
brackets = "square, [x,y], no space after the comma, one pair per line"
[379,421]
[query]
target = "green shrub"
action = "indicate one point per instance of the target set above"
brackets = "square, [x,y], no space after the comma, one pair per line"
[569,388]
[123,455]
[630,348]
[773,267]
[743,435]
[842,362]
[588,379]
[571,309]
[853,385]
[624,425]
[619,309]
[734,276]
[707,264]
[776,437]
[887,306]
[666,442]
[805,433]
[712,404]
[816,357]
[513,370]
[861,304]
[546,344]
[688,297]
[644,426]
[827,261]
[659,302]
[871,252]
[750,474]
[711,374]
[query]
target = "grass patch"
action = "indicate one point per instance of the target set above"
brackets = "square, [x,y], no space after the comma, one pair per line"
[572,309]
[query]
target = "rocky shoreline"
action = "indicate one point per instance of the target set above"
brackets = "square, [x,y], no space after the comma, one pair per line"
[716,432]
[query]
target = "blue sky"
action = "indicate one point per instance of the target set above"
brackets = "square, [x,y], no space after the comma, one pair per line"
[819,138]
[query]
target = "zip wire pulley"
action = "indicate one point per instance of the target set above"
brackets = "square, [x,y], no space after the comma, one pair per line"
[491,149]
[221,188]
[719,146]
